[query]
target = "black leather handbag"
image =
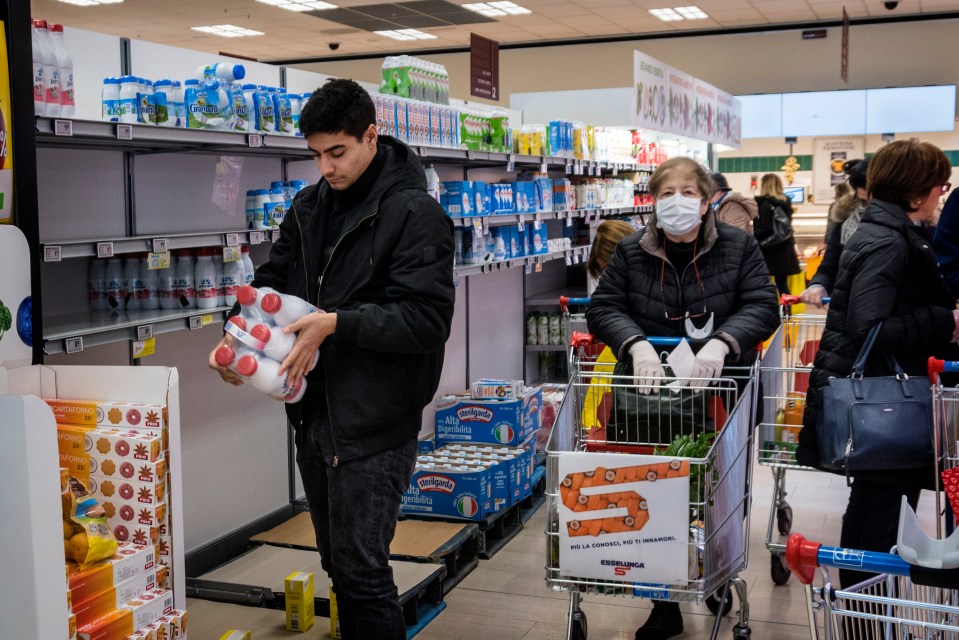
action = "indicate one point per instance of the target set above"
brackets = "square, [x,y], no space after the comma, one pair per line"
[773,228]
[875,423]
[639,418]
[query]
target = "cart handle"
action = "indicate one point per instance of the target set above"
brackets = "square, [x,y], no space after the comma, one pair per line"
[936,366]
[804,556]
[583,339]
[565,301]
[788,300]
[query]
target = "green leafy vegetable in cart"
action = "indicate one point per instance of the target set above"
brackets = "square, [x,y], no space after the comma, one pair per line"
[688,446]
[6,319]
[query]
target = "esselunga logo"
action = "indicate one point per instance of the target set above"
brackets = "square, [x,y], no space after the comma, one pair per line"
[473,413]
[503,433]
[467,506]
[434,482]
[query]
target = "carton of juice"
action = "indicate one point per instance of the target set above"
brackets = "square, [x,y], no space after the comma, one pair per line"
[299,601]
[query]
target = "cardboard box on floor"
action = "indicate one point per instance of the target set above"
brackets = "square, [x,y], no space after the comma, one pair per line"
[158,385]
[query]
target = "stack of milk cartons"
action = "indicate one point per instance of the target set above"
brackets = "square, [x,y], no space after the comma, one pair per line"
[121,452]
[480,460]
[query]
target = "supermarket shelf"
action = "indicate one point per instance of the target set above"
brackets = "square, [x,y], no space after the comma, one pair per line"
[103,327]
[576,254]
[88,247]
[529,218]
[551,298]
[546,347]
[97,134]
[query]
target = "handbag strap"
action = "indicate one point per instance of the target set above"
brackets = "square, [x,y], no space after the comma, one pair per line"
[859,366]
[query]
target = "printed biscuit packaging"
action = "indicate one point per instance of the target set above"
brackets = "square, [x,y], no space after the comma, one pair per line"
[108,442]
[84,465]
[116,625]
[130,561]
[149,607]
[299,601]
[147,515]
[128,491]
[173,626]
[113,598]
[98,413]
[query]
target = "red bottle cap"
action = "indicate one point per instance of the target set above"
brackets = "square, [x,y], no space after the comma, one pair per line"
[246,295]
[40,24]
[239,321]
[225,355]
[56,27]
[245,249]
[271,303]
[261,332]
[247,365]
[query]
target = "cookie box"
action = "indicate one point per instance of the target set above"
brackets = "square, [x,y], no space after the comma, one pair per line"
[449,491]
[129,561]
[165,549]
[122,445]
[106,601]
[116,625]
[173,625]
[149,607]
[83,465]
[139,534]
[98,413]
[128,491]
[144,634]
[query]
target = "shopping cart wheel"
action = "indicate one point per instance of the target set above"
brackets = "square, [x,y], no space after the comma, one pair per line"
[742,633]
[779,570]
[784,519]
[712,602]
[579,626]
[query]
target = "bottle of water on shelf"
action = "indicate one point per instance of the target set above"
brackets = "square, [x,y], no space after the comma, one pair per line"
[132,284]
[51,73]
[149,298]
[114,284]
[96,285]
[185,283]
[205,278]
[247,267]
[166,286]
[68,106]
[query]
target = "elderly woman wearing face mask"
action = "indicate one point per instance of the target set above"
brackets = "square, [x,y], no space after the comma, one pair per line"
[684,275]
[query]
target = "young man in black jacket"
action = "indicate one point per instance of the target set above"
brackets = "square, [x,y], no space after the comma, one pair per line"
[374,251]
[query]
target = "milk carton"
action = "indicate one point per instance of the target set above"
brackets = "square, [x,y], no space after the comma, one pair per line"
[538,239]
[505,422]
[460,198]
[449,491]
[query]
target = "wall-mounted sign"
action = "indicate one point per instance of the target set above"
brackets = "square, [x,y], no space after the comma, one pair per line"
[484,67]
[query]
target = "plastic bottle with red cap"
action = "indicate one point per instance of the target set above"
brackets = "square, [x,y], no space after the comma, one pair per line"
[285,309]
[206,281]
[184,283]
[276,344]
[263,374]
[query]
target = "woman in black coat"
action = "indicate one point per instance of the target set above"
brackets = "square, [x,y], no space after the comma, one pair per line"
[780,256]
[887,273]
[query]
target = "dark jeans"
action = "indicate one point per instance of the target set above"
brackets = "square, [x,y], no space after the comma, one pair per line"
[354,507]
[871,521]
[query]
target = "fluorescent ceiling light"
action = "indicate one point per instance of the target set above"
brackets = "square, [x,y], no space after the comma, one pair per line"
[691,13]
[299,5]
[406,34]
[666,15]
[90,3]
[228,31]
[494,9]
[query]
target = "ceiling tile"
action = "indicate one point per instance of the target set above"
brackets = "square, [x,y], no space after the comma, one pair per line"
[556,9]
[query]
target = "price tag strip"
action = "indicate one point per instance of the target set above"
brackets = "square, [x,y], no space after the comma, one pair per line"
[104,249]
[160,245]
[144,348]
[51,253]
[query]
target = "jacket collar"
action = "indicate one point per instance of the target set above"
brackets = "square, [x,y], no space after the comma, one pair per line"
[652,239]
[887,214]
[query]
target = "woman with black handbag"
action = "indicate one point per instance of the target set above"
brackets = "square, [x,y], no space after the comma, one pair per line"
[774,231]
[683,274]
[888,278]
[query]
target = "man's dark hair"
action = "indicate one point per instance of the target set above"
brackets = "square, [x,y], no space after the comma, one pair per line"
[856,170]
[339,105]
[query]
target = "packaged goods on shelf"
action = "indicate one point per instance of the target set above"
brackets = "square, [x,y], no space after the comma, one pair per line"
[506,422]
[103,413]
[164,549]
[72,626]
[416,122]
[110,465]
[411,77]
[299,601]
[447,490]
[172,626]
[132,515]
[112,598]
[109,442]
[493,389]
[129,561]
[538,239]
[113,626]
[149,607]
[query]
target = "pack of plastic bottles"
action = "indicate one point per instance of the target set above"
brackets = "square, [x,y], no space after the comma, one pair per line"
[261,344]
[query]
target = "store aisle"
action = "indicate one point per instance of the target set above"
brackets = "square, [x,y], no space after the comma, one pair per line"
[507,598]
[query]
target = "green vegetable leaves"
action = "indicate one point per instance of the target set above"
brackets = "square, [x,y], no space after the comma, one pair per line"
[6,319]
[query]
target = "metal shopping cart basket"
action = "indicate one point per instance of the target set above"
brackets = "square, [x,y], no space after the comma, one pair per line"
[583,349]
[902,601]
[785,369]
[621,521]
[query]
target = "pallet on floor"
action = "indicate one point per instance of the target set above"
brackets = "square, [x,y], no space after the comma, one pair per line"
[257,578]
[535,500]
[455,544]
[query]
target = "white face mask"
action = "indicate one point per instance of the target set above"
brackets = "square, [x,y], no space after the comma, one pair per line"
[678,215]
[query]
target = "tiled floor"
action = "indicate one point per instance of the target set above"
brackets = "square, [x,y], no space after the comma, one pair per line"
[506,598]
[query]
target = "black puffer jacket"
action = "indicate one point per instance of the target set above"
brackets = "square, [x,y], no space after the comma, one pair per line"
[781,259]
[390,282]
[628,303]
[887,273]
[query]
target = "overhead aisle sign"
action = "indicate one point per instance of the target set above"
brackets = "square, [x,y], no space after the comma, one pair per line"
[672,101]
[484,67]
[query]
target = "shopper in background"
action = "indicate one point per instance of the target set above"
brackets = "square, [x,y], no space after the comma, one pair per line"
[731,207]
[887,274]
[683,266]
[841,207]
[848,212]
[369,246]
[608,234]
[946,242]
[773,230]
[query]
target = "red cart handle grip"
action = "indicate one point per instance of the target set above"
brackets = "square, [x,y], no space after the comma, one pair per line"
[802,557]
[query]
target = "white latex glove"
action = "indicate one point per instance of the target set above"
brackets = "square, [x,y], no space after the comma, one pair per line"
[813,295]
[710,359]
[647,366]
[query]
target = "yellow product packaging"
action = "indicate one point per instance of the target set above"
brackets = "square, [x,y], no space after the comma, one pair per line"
[334,616]
[72,626]
[299,601]
[236,635]
[93,541]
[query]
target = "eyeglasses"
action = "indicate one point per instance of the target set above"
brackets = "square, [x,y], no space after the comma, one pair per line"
[662,290]
[945,187]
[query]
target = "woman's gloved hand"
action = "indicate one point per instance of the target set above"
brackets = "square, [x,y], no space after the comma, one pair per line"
[710,359]
[813,295]
[647,367]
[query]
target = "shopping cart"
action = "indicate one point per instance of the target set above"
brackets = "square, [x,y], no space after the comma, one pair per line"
[902,601]
[710,538]
[945,419]
[583,348]
[786,365]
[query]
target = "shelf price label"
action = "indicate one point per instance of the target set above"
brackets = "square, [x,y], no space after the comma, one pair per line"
[63,128]
[231,254]
[158,260]
[232,239]
[276,235]
[160,245]
[544,165]
[256,237]
[73,345]
[569,218]
[124,132]
[144,332]
[51,253]
[528,269]
[521,225]
[511,163]
[104,249]
[143,348]
[196,322]
[456,283]
[254,140]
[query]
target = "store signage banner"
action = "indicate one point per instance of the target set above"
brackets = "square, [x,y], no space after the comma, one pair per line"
[828,157]
[650,92]
[727,119]
[624,517]
[682,102]
[6,147]
[705,111]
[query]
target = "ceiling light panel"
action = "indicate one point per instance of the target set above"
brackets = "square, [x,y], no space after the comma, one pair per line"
[228,31]
[510,7]
[299,5]
[691,13]
[406,34]
[494,9]
[666,15]
[90,3]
